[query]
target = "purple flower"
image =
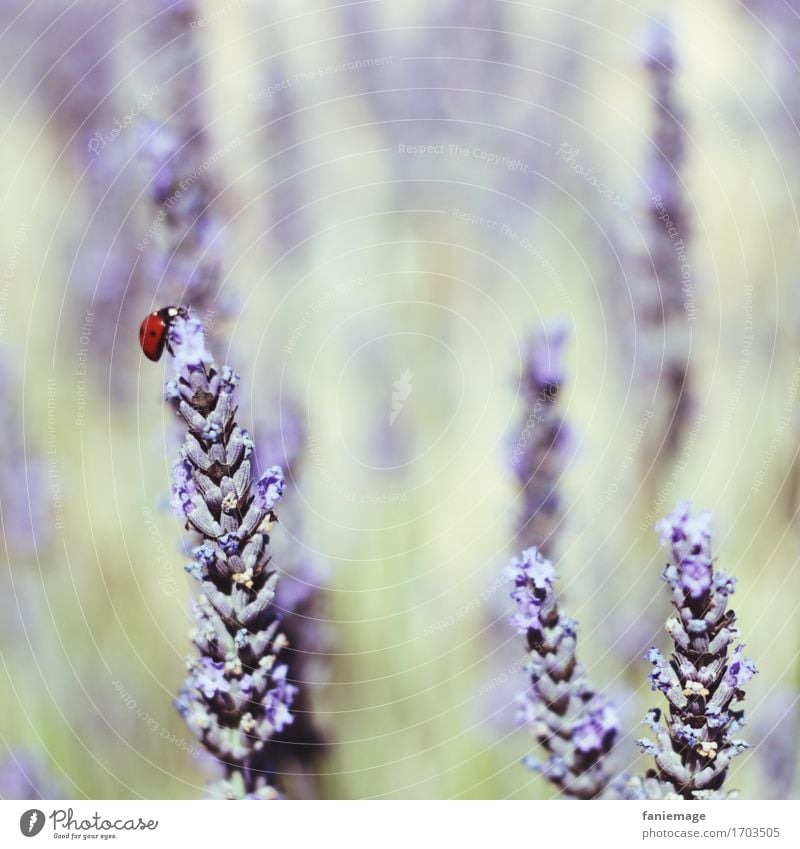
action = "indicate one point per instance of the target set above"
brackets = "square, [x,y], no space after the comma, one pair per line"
[740,669]
[269,488]
[187,338]
[690,540]
[776,739]
[695,742]
[236,697]
[539,454]
[184,490]
[209,678]
[229,543]
[654,283]
[533,567]
[597,729]
[544,366]
[23,776]
[279,700]
[684,532]
[527,613]
[574,724]
[26,500]
[659,678]
[182,245]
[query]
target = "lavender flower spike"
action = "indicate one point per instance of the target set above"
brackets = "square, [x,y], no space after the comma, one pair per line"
[183,245]
[236,696]
[575,724]
[539,455]
[703,680]
[668,297]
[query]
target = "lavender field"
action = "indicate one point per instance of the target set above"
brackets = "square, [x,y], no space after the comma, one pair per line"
[466,465]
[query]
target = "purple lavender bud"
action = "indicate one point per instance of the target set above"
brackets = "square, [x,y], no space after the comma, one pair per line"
[596,730]
[209,678]
[280,700]
[690,540]
[540,453]
[575,725]
[236,696]
[740,669]
[659,677]
[536,569]
[183,488]
[545,371]
[702,683]
[269,488]
[229,543]
[187,338]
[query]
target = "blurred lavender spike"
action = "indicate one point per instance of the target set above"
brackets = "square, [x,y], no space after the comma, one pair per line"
[26,501]
[182,248]
[282,439]
[298,749]
[703,681]
[574,723]
[540,452]
[666,297]
[168,250]
[68,63]
[460,56]
[781,20]
[106,275]
[63,56]
[776,742]
[300,602]
[22,776]
[286,158]
[237,695]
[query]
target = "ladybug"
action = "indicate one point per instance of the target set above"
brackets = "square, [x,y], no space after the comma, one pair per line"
[154,331]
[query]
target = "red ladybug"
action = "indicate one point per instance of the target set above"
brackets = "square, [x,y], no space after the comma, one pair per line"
[154,331]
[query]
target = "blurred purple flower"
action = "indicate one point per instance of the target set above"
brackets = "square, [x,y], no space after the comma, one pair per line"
[445,76]
[269,488]
[778,22]
[665,300]
[299,598]
[26,502]
[776,742]
[539,455]
[23,776]
[62,57]
[279,108]
[130,258]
